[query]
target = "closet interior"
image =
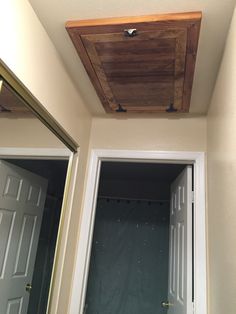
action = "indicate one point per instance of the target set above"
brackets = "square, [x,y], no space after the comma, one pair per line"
[128,271]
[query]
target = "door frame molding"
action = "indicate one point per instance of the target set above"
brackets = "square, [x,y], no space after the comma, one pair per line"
[88,217]
[66,209]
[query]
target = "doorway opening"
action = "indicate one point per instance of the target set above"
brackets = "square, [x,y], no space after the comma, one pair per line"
[34,233]
[198,258]
[136,242]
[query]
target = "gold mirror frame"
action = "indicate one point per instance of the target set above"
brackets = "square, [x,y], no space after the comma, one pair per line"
[36,107]
[7,76]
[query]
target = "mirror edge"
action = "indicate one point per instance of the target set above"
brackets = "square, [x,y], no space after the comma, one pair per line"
[36,107]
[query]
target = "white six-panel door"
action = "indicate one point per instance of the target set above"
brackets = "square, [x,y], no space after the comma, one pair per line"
[180,256]
[22,198]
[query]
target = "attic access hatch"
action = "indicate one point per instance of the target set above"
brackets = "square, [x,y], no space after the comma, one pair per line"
[140,64]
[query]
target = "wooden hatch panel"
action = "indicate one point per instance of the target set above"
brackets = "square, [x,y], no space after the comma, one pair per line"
[143,64]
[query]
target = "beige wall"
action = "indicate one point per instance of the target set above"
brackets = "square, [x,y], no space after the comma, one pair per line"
[26,132]
[221,136]
[29,53]
[150,134]
[27,50]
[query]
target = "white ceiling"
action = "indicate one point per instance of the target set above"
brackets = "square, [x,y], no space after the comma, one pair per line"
[216,19]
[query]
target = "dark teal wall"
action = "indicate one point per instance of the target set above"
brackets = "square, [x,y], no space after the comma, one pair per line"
[129,259]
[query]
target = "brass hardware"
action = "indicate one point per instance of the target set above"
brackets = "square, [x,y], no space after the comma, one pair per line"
[1,84]
[166,305]
[28,287]
[130,32]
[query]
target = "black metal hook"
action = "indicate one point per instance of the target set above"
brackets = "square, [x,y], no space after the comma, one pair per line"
[130,32]
[120,109]
[171,108]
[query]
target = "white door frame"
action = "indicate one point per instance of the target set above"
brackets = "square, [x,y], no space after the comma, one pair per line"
[34,153]
[88,216]
[63,230]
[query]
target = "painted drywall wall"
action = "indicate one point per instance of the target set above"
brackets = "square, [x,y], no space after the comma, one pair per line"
[150,134]
[26,132]
[28,51]
[221,137]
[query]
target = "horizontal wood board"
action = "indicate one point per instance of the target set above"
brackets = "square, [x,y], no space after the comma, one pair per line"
[144,73]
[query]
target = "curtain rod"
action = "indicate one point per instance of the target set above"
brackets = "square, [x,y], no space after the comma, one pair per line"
[131,199]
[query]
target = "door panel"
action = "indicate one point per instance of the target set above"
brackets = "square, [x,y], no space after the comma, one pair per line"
[22,197]
[25,245]
[180,262]
[12,187]
[6,223]
[172,260]
[14,306]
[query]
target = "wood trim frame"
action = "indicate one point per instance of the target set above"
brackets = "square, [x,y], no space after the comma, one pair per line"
[88,217]
[134,19]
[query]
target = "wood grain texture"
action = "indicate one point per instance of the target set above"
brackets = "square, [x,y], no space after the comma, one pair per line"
[144,73]
[185,16]
[11,103]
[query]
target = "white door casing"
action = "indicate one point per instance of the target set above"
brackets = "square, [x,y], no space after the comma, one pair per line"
[22,198]
[180,245]
[88,216]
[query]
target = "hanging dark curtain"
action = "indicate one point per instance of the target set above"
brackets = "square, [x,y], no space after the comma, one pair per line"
[129,259]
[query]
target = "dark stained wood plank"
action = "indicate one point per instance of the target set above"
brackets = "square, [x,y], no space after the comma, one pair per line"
[124,80]
[146,46]
[138,68]
[138,57]
[135,91]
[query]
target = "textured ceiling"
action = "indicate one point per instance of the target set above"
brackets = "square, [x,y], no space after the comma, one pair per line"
[216,19]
